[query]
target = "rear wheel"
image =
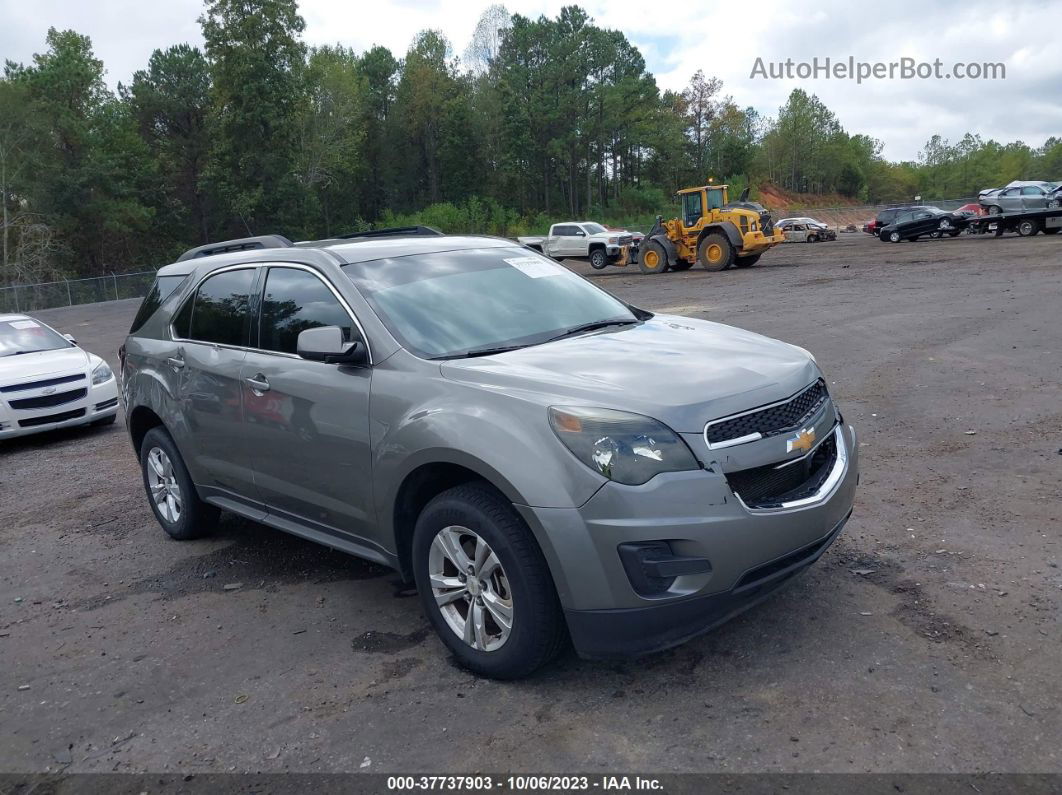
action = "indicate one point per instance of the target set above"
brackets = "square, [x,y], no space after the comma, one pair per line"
[598,259]
[1028,228]
[747,262]
[484,583]
[715,252]
[653,259]
[171,493]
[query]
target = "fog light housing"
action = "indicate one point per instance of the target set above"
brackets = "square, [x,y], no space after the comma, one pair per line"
[652,566]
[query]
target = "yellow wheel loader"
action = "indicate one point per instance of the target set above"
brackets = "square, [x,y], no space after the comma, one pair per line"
[711,231]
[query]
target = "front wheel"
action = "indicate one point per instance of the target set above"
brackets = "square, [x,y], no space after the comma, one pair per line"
[994,209]
[653,259]
[485,585]
[813,239]
[171,493]
[598,259]
[895,237]
[715,252]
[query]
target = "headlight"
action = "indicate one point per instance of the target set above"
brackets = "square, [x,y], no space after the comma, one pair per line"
[613,240]
[102,374]
[624,447]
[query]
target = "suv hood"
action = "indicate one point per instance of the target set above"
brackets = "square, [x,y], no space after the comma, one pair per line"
[28,366]
[678,370]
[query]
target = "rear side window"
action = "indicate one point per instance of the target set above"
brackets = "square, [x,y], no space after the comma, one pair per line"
[159,292]
[220,310]
[294,301]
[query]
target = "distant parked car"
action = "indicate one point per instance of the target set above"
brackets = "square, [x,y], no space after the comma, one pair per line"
[821,230]
[1020,196]
[886,217]
[805,230]
[922,221]
[47,381]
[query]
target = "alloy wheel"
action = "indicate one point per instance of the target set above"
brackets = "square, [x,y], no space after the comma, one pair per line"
[163,485]
[471,588]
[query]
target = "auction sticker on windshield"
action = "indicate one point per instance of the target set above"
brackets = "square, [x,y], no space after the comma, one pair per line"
[535,267]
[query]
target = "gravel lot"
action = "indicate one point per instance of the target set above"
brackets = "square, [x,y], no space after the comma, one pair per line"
[927,638]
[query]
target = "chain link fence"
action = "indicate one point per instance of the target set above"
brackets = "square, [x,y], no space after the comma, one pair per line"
[48,295]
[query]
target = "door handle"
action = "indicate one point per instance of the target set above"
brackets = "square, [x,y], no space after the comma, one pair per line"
[176,362]
[258,384]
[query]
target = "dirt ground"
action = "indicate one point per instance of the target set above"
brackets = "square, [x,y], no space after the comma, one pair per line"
[926,639]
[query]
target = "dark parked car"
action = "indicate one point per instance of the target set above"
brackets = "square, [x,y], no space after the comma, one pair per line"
[910,224]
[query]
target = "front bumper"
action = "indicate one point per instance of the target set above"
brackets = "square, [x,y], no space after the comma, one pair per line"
[699,516]
[99,402]
[633,631]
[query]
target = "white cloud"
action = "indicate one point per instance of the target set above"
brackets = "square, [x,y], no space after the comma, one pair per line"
[676,39]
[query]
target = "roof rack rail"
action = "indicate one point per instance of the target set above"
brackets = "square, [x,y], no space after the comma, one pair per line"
[394,231]
[240,244]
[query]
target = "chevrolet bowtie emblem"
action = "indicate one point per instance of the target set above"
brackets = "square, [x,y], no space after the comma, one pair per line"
[802,441]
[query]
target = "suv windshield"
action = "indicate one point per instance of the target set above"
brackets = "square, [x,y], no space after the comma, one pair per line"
[23,335]
[594,229]
[460,303]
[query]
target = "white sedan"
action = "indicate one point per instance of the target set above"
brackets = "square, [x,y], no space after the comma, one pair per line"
[47,381]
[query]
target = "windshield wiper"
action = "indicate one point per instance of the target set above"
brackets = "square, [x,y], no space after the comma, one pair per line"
[482,351]
[592,327]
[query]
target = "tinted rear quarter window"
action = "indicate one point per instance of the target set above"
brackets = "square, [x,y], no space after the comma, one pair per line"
[221,309]
[159,292]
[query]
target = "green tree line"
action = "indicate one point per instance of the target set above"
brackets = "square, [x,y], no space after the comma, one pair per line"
[539,119]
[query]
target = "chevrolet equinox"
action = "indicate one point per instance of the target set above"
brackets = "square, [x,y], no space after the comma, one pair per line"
[545,461]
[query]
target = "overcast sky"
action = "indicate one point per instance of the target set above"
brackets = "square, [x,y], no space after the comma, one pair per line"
[724,39]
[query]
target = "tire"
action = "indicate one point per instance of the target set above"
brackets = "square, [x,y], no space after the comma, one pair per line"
[715,253]
[994,209]
[1052,204]
[471,513]
[1028,228]
[1052,230]
[747,262]
[654,259]
[598,259]
[936,235]
[812,239]
[895,237]
[103,422]
[161,465]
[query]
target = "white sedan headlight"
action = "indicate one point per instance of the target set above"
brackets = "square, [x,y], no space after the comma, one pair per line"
[102,374]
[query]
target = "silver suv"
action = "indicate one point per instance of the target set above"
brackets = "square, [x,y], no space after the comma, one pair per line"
[542,459]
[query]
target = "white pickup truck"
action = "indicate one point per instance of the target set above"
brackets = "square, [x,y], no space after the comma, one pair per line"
[584,240]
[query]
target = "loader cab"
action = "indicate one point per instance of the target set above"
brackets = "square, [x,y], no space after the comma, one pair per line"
[699,202]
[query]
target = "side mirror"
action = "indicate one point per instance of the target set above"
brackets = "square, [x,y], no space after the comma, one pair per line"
[580,233]
[70,339]
[326,344]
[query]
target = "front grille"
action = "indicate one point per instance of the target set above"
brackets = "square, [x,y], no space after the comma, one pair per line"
[48,420]
[107,404]
[625,240]
[772,420]
[66,379]
[770,486]
[47,401]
